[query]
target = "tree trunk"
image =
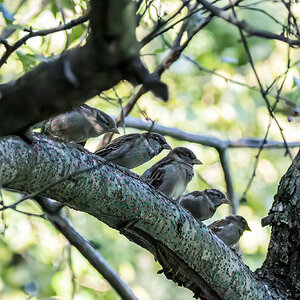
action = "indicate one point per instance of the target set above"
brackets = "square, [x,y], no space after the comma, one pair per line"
[282,265]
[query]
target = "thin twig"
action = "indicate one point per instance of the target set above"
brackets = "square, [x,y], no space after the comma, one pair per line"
[44,32]
[262,91]
[242,25]
[227,79]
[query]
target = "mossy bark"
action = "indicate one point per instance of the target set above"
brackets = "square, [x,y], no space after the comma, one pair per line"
[189,253]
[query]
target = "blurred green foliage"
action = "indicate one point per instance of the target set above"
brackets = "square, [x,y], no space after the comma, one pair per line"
[35,258]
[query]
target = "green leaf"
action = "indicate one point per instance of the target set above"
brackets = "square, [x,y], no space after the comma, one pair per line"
[28,60]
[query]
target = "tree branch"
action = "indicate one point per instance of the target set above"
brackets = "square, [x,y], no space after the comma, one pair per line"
[96,260]
[205,140]
[79,74]
[282,263]
[123,201]
[11,48]
[251,30]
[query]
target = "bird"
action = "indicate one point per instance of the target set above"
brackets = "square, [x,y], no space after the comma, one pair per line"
[203,204]
[79,124]
[133,150]
[230,229]
[171,174]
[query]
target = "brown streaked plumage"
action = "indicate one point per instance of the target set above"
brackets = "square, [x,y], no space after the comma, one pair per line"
[171,174]
[79,124]
[203,204]
[132,150]
[230,229]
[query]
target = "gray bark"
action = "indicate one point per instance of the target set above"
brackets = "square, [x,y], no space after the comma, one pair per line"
[188,251]
[282,265]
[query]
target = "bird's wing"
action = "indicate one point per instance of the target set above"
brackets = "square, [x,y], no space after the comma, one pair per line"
[156,173]
[218,225]
[116,144]
[188,202]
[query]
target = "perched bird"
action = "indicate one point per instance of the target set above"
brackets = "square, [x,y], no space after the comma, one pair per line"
[203,204]
[132,150]
[79,124]
[230,229]
[171,174]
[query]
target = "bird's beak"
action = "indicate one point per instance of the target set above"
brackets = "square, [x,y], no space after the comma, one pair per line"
[167,147]
[225,201]
[115,130]
[197,162]
[248,228]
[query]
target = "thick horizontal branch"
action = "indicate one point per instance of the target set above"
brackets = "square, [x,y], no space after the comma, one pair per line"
[205,140]
[123,201]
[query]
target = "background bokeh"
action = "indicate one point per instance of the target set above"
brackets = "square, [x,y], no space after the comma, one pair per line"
[37,262]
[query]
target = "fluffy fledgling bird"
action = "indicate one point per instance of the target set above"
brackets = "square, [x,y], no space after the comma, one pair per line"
[79,124]
[132,150]
[171,174]
[230,229]
[203,204]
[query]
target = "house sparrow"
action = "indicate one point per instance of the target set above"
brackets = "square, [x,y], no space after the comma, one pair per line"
[202,205]
[171,174]
[132,150]
[230,229]
[79,124]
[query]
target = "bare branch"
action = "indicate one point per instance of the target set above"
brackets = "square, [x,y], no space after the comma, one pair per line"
[31,34]
[251,30]
[205,139]
[96,260]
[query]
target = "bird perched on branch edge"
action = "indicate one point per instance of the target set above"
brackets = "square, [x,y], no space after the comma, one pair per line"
[133,150]
[171,174]
[79,124]
[230,229]
[203,204]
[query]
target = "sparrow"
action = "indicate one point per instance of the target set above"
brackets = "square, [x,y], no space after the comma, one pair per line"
[79,124]
[171,174]
[203,204]
[132,150]
[230,229]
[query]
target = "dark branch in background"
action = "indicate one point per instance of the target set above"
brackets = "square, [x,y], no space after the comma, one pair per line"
[11,48]
[269,107]
[175,51]
[264,141]
[242,25]
[262,90]
[225,164]
[64,226]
